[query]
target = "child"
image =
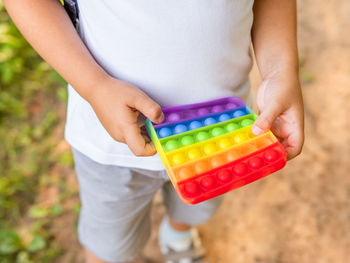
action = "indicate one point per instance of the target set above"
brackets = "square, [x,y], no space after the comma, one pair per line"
[133,57]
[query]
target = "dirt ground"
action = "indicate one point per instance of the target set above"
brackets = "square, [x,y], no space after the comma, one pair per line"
[302,213]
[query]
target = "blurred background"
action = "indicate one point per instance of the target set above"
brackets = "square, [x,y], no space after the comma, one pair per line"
[300,214]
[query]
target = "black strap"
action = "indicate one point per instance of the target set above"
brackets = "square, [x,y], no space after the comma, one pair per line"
[72,10]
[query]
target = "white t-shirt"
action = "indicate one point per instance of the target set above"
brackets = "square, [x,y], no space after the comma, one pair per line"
[176,51]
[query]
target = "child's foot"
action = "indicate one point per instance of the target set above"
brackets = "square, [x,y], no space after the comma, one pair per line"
[180,247]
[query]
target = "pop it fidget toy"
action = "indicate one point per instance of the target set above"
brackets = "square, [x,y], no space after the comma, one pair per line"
[208,148]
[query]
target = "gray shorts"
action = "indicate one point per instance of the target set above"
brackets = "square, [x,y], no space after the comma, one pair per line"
[114,222]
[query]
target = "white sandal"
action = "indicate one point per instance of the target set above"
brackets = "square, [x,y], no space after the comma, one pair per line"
[194,254]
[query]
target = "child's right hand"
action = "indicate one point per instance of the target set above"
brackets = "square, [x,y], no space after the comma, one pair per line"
[118,104]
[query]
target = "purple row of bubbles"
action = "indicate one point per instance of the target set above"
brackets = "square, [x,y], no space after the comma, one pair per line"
[177,116]
[191,111]
[196,124]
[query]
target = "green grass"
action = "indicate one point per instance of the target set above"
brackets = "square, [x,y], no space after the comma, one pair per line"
[30,93]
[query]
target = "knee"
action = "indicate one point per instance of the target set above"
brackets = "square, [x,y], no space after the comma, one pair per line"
[199,213]
[206,210]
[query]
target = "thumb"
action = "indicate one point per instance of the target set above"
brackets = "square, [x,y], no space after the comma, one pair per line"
[149,108]
[266,118]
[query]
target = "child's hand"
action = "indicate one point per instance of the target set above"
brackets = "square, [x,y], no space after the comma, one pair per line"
[118,105]
[280,104]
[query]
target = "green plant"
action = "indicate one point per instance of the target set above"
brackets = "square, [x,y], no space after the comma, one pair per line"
[30,93]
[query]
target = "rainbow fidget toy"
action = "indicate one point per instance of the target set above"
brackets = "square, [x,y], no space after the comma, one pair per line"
[208,148]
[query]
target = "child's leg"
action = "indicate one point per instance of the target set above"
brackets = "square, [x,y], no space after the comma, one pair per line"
[91,258]
[178,240]
[179,226]
[114,221]
[183,215]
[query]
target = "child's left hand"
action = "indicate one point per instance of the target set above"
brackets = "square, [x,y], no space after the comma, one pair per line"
[280,105]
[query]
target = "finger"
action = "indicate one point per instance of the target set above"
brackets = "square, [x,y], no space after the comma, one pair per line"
[116,135]
[149,108]
[136,142]
[295,144]
[292,151]
[265,120]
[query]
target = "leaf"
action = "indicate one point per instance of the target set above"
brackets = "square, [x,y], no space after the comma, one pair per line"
[23,257]
[10,242]
[38,243]
[56,210]
[66,158]
[38,212]
[307,76]
[76,208]
[3,184]
[62,94]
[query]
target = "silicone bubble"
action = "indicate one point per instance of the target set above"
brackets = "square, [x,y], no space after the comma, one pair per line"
[208,182]
[195,125]
[201,167]
[191,188]
[238,113]
[255,162]
[194,154]
[174,117]
[171,145]
[209,148]
[224,175]
[263,142]
[217,131]
[185,173]
[187,140]
[217,108]
[271,155]
[217,161]
[248,149]
[230,106]
[240,169]
[209,121]
[224,143]
[202,136]
[203,111]
[246,122]
[224,117]
[240,137]
[165,132]
[231,127]
[180,128]
[232,155]
[178,159]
